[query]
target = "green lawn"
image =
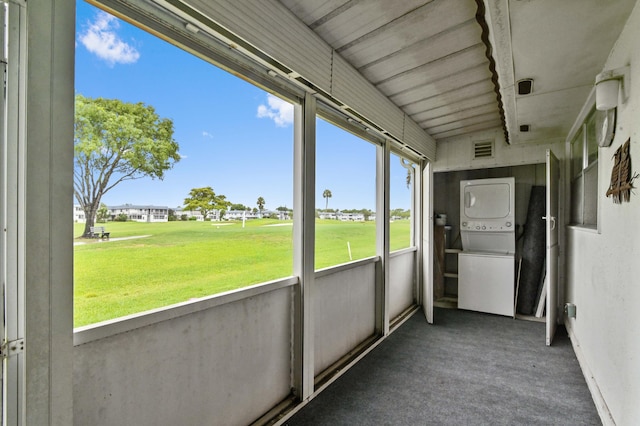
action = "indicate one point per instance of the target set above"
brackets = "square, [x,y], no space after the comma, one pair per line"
[177,261]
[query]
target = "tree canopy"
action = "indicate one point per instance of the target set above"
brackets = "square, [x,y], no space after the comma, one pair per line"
[261,202]
[238,207]
[116,141]
[205,200]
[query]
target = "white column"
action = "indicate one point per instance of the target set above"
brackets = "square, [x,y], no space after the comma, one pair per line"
[43,234]
[304,244]
[383,154]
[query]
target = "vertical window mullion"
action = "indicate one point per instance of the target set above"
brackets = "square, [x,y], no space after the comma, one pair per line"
[304,245]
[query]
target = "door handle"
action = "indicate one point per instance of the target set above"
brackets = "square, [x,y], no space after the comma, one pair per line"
[553,221]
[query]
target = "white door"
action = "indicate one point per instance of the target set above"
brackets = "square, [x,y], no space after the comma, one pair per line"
[553,176]
[427,242]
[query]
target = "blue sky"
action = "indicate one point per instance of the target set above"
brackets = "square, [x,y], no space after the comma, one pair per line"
[233,136]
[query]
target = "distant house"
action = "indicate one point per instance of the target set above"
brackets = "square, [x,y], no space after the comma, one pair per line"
[78,214]
[282,214]
[239,215]
[327,215]
[137,213]
[351,217]
[345,217]
[276,214]
[214,215]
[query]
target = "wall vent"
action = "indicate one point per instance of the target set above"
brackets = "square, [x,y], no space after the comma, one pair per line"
[482,149]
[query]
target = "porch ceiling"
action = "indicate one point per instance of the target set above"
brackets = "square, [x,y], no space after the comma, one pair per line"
[430,59]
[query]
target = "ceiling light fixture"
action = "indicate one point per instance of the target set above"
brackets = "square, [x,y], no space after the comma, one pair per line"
[608,87]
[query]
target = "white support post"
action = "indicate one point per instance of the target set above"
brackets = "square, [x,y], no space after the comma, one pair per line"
[383,154]
[427,241]
[37,206]
[304,245]
[417,228]
[13,209]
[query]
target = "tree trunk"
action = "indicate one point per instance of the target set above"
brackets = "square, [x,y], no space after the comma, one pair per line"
[89,214]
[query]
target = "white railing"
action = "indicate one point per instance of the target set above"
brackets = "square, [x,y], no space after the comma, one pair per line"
[227,358]
[220,360]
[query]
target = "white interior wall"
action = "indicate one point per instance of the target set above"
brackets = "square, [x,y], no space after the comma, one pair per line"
[457,153]
[603,267]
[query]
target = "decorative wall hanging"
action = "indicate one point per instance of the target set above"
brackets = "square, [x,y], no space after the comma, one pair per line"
[621,178]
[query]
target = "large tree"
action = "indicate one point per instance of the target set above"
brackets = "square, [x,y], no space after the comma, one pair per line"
[116,141]
[326,195]
[205,200]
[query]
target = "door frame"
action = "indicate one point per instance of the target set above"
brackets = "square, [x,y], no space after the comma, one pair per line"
[427,241]
[552,242]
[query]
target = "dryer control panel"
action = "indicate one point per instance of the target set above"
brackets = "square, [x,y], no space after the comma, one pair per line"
[492,226]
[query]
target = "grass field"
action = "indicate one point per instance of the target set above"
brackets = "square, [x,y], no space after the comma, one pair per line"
[175,261]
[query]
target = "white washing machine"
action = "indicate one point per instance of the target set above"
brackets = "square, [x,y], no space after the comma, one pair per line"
[487,229]
[486,282]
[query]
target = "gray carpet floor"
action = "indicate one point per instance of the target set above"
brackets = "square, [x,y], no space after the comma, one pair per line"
[467,369]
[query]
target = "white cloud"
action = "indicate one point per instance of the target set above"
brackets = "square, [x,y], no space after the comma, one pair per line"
[281,112]
[207,134]
[101,39]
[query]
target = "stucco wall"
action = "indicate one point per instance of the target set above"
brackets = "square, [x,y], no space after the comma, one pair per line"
[603,268]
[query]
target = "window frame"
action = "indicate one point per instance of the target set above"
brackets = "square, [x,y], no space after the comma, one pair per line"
[415,196]
[582,130]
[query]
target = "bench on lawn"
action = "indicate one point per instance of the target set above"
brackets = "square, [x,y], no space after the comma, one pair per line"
[98,232]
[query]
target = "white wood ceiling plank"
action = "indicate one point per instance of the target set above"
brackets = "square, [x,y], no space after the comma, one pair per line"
[459,115]
[471,102]
[364,18]
[434,70]
[454,80]
[457,95]
[426,51]
[433,18]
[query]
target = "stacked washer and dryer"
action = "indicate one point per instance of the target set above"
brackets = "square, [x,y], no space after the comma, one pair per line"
[487,261]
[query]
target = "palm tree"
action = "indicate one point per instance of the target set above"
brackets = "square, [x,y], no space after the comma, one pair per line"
[326,195]
[260,204]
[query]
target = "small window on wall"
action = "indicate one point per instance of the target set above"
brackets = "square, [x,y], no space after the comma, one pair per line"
[584,175]
[401,181]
